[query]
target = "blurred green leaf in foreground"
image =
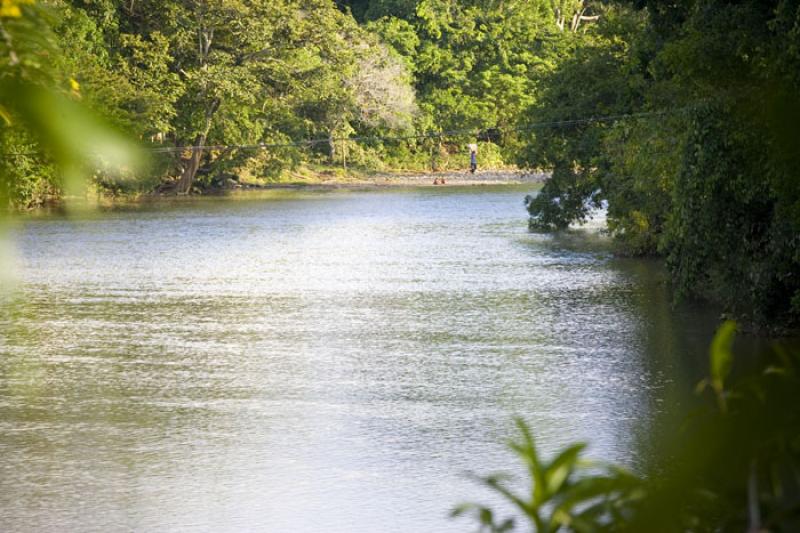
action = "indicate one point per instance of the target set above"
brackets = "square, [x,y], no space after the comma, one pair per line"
[733,465]
[48,141]
[43,126]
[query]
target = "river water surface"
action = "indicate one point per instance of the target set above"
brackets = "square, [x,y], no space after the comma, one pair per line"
[316,361]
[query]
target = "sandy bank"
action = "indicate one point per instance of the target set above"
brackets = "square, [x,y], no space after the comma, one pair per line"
[397,179]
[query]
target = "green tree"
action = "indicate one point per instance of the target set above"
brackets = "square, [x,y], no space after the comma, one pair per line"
[709,177]
[600,79]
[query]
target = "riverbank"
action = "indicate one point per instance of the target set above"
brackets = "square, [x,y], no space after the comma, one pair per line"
[361,180]
[305,180]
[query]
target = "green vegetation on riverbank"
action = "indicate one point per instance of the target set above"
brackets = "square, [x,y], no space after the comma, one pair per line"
[700,168]
[708,173]
[270,87]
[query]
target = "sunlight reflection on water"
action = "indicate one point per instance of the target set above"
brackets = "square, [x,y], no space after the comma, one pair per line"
[321,362]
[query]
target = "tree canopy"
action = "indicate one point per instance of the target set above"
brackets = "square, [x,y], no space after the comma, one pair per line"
[707,176]
[680,118]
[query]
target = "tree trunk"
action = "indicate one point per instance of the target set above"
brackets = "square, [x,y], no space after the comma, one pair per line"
[184,185]
[332,146]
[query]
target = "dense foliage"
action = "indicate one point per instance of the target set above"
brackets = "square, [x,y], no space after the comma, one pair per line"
[693,148]
[195,73]
[705,171]
[400,75]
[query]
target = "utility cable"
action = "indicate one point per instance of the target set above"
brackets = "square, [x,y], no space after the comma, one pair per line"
[433,135]
[310,143]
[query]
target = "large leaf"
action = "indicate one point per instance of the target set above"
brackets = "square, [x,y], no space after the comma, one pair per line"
[561,467]
[722,358]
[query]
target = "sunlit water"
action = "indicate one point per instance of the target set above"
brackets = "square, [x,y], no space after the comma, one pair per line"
[316,362]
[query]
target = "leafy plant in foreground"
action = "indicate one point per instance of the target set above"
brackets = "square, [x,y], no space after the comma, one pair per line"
[564,492]
[732,465]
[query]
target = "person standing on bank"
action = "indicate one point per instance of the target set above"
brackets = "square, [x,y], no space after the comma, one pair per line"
[473,157]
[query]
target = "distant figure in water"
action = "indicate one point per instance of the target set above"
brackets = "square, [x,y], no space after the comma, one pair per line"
[439,181]
[473,157]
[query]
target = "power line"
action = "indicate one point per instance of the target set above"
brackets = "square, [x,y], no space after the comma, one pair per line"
[433,135]
[310,143]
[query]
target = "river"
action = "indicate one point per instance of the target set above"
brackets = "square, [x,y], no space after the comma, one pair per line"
[309,361]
